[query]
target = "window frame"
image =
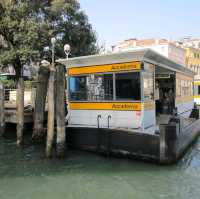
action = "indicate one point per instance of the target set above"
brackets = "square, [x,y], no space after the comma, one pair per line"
[114,87]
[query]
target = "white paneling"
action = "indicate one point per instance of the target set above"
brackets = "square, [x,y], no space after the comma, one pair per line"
[119,119]
[185,107]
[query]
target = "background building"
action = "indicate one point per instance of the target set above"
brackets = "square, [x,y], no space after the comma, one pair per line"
[189,42]
[192,57]
[162,46]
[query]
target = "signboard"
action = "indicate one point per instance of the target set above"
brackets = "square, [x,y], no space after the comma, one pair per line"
[105,68]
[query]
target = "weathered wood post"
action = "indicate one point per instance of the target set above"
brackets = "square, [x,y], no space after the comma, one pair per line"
[51,104]
[20,110]
[60,111]
[51,114]
[40,101]
[2,113]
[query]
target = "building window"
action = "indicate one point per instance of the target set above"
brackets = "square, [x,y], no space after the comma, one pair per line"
[128,86]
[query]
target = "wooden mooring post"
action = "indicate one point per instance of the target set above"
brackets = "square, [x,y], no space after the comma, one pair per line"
[20,110]
[2,111]
[40,102]
[51,113]
[60,111]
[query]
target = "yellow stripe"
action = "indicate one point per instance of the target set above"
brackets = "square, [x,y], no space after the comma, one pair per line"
[196,83]
[197,96]
[105,68]
[149,105]
[180,100]
[118,106]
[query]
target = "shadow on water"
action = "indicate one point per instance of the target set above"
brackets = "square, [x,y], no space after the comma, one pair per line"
[85,175]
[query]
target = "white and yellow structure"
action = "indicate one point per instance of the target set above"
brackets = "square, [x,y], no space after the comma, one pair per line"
[197,90]
[117,90]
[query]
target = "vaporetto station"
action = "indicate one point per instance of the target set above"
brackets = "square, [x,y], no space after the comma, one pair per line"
[137,103]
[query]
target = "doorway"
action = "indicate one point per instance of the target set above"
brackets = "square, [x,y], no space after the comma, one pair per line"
[165,94]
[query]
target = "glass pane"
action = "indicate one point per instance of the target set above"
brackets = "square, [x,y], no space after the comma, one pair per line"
[178,87]
[128,86]
[148,85]
[96,87]
[198,90]
[78,88]
[100,87]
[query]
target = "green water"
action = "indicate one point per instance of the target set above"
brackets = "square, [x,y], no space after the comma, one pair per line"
[26,174]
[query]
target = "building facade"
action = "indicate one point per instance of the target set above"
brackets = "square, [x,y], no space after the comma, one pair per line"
[189,42]
[192,57]
[162,46]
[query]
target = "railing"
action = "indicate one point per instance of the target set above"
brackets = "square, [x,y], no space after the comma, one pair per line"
[11,97]
[182,121]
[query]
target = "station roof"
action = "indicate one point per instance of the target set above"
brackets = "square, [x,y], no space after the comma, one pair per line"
[146,55]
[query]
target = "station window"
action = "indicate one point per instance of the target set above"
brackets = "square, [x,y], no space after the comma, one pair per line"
[178,87]
[184,88]
[100,87]
[97,87]
[148,87]
[198,90]
[78,88]
[128,86]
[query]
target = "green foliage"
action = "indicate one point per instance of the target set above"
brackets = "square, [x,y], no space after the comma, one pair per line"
[11,84]
[8,83]
[28,84]
[26,27]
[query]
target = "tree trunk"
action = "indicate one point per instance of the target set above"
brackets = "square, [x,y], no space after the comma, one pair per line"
[60,111]
[20,110]
[51,114]
[40,101]
[2,113]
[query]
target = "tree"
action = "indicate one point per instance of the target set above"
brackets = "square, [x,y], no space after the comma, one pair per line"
[27,26]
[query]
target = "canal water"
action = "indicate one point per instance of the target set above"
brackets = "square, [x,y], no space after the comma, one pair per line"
[26,174]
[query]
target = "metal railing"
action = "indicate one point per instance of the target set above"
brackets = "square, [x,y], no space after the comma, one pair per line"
[11,96]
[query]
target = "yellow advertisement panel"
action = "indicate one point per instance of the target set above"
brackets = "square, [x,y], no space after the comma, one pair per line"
[105,68]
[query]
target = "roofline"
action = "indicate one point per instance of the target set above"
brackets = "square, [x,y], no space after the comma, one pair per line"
[100,55]
[145,52]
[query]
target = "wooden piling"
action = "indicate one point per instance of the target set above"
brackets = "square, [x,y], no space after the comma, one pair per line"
[20,110]
[40,101]
[60,111]
[51,113]
[2,112]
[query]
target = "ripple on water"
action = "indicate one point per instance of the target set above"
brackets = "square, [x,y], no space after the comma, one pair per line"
[25,173]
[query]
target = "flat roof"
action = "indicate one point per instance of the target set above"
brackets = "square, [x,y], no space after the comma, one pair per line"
[146,55]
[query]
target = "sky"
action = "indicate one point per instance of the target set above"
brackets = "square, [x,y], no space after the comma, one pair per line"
[117,20]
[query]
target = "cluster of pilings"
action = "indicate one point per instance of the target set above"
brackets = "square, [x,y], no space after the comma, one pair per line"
[51,89]
[51,86]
